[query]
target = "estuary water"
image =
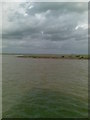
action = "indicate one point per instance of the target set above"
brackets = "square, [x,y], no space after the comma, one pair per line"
[44,88]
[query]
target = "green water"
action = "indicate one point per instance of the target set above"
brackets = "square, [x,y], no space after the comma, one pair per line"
[44,88]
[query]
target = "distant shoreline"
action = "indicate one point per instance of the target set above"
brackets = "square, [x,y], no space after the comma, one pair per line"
[55,56]
[50,56]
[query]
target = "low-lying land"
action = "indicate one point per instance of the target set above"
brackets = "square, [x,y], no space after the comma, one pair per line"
[49,56]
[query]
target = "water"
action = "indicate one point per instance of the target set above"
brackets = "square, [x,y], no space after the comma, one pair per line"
[46,88]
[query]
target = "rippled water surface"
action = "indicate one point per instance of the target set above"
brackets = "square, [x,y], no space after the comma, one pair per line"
[34,88]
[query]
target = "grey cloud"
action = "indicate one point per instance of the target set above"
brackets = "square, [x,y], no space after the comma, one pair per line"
[59,6]
[49,25]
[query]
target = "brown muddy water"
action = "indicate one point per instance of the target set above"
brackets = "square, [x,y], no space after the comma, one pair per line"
[44,88]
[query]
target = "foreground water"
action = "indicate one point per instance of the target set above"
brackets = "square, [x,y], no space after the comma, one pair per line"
[46,88]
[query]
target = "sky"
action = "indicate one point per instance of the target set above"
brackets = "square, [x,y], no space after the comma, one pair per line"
[45,27]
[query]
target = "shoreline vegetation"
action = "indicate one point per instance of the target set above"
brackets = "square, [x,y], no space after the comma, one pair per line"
[50,56]
[55,56]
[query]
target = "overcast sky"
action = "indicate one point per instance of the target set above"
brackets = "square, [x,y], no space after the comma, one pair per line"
[60,28]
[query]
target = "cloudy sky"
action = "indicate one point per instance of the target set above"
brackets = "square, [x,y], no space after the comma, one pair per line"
[45,27]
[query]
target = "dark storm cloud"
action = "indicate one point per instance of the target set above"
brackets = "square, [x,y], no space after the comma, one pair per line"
[59,6]
[40,26]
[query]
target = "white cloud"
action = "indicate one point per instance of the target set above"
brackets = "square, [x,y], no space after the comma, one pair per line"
[30,7]
[83,26]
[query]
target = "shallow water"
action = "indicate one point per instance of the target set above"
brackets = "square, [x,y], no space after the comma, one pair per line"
[34,88]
